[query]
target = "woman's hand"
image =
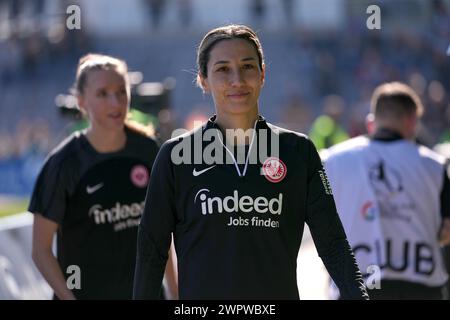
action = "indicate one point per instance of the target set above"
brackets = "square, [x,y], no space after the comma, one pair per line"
[43,232]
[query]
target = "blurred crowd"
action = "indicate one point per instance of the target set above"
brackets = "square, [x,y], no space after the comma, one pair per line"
[342,70]
[30,38]
[318,82]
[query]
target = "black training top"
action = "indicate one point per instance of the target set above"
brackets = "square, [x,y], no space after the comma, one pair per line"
[238,229]
[97,199]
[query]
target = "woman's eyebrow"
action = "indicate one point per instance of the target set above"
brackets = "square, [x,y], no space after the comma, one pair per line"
[226,61]
[221,62]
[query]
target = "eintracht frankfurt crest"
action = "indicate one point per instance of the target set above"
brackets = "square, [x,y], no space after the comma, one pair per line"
[274,169]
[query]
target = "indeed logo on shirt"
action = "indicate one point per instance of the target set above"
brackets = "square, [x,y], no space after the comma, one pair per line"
[235,203]
[122,216]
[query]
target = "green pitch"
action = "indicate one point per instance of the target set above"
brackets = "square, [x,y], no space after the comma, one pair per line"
[10,206]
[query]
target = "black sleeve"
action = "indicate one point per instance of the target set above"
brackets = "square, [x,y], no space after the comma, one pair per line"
[445,194]
[328,233]
[154,233]
[49,196]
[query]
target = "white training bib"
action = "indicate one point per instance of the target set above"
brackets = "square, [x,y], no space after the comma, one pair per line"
[388,197]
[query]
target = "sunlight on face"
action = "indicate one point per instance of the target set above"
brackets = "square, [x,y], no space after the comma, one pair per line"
[234,78]
[105,99]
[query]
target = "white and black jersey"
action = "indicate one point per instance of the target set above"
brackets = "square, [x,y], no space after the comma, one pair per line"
[391,195]
[238,226]
[97,199]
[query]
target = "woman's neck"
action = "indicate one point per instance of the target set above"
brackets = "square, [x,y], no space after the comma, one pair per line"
[105,141]
[244,121]
[234,122]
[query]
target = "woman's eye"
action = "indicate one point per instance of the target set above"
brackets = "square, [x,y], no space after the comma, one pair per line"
[222,69]
[248,66]
[102,93]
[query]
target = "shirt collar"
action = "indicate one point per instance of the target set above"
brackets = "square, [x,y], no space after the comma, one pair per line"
[387,135]
[261,122]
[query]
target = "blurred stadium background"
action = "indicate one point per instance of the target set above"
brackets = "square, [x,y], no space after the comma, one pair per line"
[322,65]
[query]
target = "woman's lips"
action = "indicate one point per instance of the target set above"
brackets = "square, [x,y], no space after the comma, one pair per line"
[115,115]
[239,95]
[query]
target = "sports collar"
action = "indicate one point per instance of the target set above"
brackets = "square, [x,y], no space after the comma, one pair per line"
[387,135]
[260,122]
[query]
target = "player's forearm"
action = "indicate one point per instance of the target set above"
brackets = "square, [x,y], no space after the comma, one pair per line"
[47,264]
[444,233]
[343,269]
[149,270]
[171,275]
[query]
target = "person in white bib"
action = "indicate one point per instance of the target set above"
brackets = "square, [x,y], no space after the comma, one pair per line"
[393,197]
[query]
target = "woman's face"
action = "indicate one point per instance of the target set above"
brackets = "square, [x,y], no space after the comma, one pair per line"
[233,77]
[105,98]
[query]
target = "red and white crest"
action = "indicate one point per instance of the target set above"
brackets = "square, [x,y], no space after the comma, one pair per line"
[139,176]
[274,169]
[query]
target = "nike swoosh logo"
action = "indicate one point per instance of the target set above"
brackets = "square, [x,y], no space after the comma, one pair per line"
[196,173]
[91,190]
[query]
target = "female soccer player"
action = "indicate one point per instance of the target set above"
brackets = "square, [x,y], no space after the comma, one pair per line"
[236,193]
[91,191]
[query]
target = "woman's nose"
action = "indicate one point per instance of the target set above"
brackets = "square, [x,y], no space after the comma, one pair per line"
[115,100]
[236,78]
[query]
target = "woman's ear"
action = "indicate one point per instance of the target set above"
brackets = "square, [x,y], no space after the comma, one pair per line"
[202,83]
[263,74]
[81,104]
